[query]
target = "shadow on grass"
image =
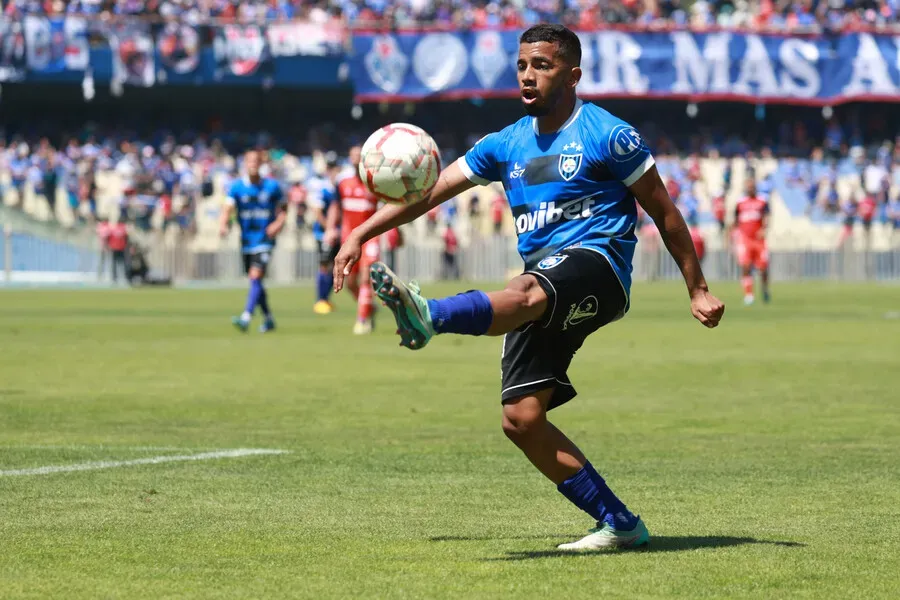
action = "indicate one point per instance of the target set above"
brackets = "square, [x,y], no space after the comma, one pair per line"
[488,538]
[658,544]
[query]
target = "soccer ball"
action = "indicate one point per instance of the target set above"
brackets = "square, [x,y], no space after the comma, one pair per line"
[400,163]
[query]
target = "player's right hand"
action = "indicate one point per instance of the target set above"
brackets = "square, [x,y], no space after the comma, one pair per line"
[346,257]
[223,230]
[706,308]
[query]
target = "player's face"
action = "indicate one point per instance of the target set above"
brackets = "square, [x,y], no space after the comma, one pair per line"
[354,155]
[751,188]
[544,77]
[251,163]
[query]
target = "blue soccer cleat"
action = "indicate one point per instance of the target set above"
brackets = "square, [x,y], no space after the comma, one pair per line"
[240,323]
[267,325]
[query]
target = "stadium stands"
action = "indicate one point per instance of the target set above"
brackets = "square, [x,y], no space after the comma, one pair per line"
[780,15]
[175,190]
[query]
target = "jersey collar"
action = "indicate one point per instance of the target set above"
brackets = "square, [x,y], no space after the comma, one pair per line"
[569,121]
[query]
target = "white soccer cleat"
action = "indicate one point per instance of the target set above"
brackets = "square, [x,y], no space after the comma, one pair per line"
[748,299]
[607,537]
[362,327]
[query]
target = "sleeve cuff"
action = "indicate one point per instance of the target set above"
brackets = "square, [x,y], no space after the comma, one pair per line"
[230,201]
[639,171]
[469,173]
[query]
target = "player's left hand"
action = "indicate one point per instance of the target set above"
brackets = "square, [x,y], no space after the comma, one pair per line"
[706,308]
[273,230]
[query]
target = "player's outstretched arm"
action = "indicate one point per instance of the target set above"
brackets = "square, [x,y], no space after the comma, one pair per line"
[651,193]
[451,183]
[225,218]
[276,226]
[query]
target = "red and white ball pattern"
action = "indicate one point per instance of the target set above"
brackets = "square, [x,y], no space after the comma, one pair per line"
[400,163]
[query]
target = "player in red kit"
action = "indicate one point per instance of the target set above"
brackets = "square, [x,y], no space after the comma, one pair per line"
[354,206]
[751,219]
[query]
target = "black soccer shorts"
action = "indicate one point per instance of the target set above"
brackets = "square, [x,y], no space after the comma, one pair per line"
[257,259]
[584,294]
[327,254]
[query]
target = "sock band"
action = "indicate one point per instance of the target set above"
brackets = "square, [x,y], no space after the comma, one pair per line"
[253,295]
[469,313]
[587,490]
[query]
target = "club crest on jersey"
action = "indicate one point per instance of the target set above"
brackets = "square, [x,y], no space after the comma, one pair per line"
[569,165]
[551,261]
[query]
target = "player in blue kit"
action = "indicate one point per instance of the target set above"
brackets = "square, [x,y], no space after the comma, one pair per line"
[321,198]
[571,172]
[261,213]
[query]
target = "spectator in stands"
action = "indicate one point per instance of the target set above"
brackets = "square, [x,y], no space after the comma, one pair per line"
[19,166]
[117,242]
[498,208]
[450,265]
[848,211]
[893,212]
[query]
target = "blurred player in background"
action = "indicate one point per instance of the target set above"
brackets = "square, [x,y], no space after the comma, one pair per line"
[751,220]
[393,240]
[573,199]
[893,215]
[261,213]
[321,195]
[356,205]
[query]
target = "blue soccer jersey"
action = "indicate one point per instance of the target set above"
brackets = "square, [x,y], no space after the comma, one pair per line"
[568,188]
[320,194]
[257,206]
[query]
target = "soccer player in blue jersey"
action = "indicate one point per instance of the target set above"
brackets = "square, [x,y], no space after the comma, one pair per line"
[261,213]
[571,172]
[321,197]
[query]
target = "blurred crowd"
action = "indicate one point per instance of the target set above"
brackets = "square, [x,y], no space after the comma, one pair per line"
[793,15]
[165,177]
[161,180]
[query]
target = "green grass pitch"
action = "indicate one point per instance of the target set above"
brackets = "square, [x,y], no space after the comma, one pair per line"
[764,456]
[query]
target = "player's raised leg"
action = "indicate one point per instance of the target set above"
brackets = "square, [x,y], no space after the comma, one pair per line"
[559,459]
[470,313]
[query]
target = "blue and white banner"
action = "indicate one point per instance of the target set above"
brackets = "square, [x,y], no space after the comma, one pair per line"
[818,70]
[133,55]
[56,45]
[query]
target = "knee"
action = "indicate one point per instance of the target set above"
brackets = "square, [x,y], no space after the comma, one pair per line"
[526,292]
[522,419]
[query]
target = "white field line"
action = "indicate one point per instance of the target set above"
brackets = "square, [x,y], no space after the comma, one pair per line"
[102,447]
[105,447]
[153,460]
